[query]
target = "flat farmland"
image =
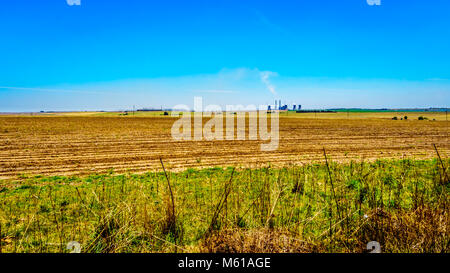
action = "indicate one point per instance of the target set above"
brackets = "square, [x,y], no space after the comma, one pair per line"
[97,179]
[98,143]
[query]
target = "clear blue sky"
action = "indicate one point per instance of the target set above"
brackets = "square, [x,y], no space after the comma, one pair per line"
[114,54]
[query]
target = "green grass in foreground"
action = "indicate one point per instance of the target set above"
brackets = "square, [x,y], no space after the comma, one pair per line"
[402,204]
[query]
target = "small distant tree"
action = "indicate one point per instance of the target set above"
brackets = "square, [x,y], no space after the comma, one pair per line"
[394,118]
[405,117]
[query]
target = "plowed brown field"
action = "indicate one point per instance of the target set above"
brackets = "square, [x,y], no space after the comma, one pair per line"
[80,145]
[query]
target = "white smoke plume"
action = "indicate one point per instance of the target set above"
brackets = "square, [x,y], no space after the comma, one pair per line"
[265,75]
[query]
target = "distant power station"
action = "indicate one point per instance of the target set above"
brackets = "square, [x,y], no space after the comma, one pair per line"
[279,107]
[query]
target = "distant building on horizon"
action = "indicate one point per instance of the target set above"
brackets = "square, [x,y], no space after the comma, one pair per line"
[280,107]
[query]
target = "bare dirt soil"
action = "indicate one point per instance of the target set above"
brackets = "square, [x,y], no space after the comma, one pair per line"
[69,145]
